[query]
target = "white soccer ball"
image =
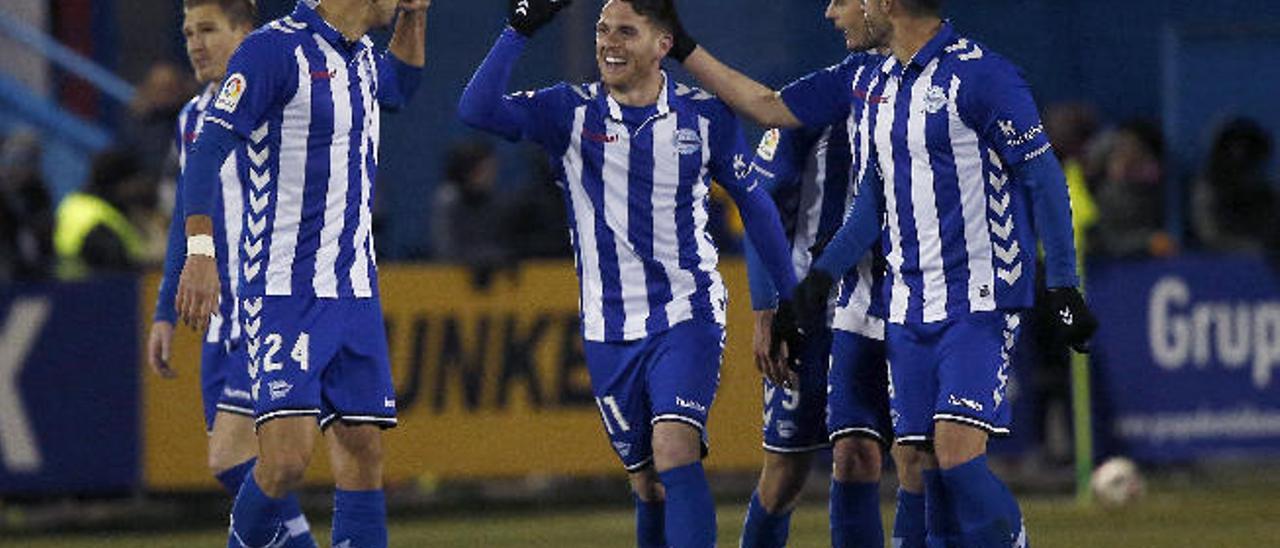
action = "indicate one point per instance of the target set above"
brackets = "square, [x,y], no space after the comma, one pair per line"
[1117,482]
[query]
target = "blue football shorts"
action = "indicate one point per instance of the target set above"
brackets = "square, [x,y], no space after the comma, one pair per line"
[224,380]
[954,370]
[858,397]
[321,357]
[670,376]
[795,418]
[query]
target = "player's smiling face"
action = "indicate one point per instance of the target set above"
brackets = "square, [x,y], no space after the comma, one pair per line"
[211,39]
[629,47]
[850,18]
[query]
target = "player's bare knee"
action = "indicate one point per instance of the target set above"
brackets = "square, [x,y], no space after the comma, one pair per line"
[855,459]
[782,480]
[675,444]
[955,444]
[910,463]
[280,474]
[646,486]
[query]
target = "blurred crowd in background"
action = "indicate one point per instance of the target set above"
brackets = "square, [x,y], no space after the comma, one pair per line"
[1116,170]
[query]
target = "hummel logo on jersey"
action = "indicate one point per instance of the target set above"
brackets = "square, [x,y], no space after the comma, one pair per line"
[691,405]
[964,402]
[598,137]
[522,7]
[1067,318]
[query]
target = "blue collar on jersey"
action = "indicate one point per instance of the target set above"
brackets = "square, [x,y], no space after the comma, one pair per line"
[931,50]
[305,13]
[615,110]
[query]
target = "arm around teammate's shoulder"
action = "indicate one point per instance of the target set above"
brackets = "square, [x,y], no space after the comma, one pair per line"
[749,98]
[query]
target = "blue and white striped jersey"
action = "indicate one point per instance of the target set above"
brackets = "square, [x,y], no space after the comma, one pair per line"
[808,172]
[227,225]
[308,102]
[946,130]
[636,183]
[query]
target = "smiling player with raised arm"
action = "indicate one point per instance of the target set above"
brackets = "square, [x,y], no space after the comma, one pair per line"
[303,99]
[637,152]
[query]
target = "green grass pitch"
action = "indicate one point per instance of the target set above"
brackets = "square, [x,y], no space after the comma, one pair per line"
[1174,518]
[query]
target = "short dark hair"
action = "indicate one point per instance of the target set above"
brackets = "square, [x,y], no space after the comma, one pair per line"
[923,7]
[662,13]
[239,12]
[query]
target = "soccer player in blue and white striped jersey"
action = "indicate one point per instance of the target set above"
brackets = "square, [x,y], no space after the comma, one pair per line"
[303,100]
[959,160]
[636,153]
[213,30]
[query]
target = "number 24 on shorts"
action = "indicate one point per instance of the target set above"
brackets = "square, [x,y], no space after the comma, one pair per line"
[298,353]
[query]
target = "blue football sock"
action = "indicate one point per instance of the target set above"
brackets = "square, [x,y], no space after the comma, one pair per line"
[981,505]
[255,517]
[762,529]
[691,514]
[650,519]
[360,519]
[231,478]
[855,515]
[1017,527]
[941,529]
[295,524]
[908,521]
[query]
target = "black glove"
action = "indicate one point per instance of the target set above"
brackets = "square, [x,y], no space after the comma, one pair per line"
[527,16]
[810,301]
[683,44]
[1069,318]
[785,329]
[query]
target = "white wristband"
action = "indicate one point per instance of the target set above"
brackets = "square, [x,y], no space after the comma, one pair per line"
[200,244]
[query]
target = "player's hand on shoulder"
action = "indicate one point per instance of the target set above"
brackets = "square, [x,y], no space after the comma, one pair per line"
[527,16]
[159,346]
[1072,322]
[198,291]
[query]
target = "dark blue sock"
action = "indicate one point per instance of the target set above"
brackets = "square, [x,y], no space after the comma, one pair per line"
[908,521]
[650,520]
[255,517]
[762,529]
[360,518]
[691,514]
[296,525]
[231,478]
[941,528]
[855,515]
[980,503]
[1017,527]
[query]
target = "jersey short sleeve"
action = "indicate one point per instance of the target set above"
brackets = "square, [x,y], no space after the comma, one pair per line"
[997,103]
[261,74]
[822,98]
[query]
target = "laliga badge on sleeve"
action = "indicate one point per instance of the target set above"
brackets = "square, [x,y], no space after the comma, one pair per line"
[769,145]
[231,92]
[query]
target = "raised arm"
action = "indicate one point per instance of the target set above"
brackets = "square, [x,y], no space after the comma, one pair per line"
[749,98]
[400,70]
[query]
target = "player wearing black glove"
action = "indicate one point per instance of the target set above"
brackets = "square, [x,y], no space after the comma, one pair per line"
[785,330]
[1069,318]
[810,300]
[684,44]
[527,16]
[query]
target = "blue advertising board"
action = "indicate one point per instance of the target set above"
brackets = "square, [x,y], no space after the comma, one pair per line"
[1187,360]
[69,387]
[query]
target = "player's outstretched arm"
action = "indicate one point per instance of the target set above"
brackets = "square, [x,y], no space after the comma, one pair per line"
[483,105]
[751,99]
[859,232]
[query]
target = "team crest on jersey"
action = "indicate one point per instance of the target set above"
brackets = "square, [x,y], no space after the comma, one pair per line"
[688,141]
[231,92]
[935,99]
[769,145]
